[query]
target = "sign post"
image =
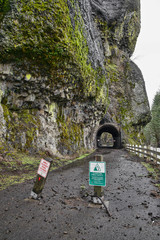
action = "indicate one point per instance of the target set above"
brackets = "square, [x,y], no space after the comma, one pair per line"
[97,177]
[97,174]
[42,174]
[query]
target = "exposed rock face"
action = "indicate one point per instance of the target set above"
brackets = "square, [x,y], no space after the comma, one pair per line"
[65,66]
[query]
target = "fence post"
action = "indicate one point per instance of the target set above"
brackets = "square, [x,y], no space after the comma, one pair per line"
[145,151]
[148,153]
[154,154]
[152,149]
[136,150]
[158,156]
[139,154]
[142,150]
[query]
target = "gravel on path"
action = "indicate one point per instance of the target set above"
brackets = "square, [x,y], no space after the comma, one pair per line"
[66,212]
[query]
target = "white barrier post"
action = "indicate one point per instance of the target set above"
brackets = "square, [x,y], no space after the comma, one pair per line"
[155,155]
[145,147]
[158,156]
[148,153]
[136,149]
[139,151]
[151,148]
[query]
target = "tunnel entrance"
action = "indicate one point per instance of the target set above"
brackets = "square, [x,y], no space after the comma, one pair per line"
[106,140]
[108,136]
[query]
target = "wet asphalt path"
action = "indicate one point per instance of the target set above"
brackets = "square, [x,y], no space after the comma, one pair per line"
[65,213]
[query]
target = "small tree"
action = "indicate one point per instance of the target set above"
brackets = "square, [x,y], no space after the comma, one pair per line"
[152,129]
[156,118]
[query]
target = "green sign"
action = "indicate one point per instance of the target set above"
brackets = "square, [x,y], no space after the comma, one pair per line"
[97,174]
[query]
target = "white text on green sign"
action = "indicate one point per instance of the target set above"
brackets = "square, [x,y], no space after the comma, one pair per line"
[97,173]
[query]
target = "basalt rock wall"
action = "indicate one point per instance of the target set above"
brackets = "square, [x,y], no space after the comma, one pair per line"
[64,67]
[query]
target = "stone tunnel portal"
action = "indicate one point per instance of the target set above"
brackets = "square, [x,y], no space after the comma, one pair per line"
[108,136]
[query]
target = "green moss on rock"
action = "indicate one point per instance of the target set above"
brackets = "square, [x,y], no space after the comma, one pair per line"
[41,33]
[71,134]
[20,124]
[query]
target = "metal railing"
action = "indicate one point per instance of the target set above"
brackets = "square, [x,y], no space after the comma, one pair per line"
[148,152]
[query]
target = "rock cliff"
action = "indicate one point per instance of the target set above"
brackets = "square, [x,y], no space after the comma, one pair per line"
[64,67]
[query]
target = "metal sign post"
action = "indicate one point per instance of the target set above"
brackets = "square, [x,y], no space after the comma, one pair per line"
[42,174]
[97,177]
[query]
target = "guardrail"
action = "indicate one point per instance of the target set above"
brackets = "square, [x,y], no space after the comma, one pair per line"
[148,152]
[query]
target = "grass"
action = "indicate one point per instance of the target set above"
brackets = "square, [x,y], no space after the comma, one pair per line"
[154,171]
[18,167]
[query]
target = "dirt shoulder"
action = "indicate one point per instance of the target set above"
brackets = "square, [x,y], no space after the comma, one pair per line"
[65,211]
[17,167]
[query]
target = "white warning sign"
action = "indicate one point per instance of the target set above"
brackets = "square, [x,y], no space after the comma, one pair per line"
[43,168]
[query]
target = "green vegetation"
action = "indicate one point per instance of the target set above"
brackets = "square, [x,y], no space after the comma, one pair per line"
[112,71]
[4,8]
[42,34]
[17,167]
[43,40]
[133,30]
[157,185]
[71,133]
[152,130]
[154,171]
[21,124]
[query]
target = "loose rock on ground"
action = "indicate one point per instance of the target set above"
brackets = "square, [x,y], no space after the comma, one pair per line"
[65,210]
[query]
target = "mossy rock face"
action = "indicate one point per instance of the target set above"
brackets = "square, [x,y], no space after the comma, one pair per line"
[64,66]
[22,128]
[71,134]
[39,32]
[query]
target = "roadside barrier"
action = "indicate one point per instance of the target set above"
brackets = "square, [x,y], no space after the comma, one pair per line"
[148,152]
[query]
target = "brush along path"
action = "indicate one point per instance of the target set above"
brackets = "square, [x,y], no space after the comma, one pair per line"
[65,211]
[18,167]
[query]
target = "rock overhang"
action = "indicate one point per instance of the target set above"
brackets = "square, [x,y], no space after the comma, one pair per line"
[87,69]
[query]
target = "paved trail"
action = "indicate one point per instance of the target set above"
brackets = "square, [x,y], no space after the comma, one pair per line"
[62,213]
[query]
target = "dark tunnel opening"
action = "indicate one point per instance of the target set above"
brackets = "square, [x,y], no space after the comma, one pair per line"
[108,136]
